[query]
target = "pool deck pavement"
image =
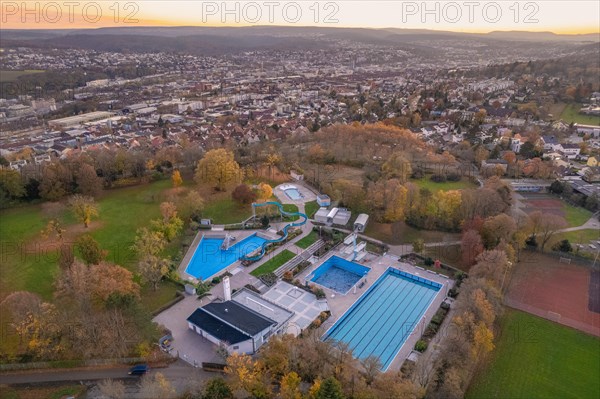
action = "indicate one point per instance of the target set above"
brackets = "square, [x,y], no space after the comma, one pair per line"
[340,303]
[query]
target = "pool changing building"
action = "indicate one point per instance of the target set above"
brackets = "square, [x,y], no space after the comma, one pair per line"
[241,323]
[339,216]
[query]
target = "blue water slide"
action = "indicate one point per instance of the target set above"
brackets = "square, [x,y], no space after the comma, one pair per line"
[285,229]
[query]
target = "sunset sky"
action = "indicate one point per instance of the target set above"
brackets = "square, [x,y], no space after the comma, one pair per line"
[475,16]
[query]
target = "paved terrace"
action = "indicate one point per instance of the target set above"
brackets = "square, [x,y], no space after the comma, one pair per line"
[340,303]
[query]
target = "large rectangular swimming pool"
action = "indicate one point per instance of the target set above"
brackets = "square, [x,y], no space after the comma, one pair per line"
[339,274]
[209,259]
[381,320]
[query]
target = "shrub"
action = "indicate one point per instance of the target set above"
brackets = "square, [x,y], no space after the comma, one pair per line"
[438,178]
[428,261]
[216,280]
[563,246]
[531,242]
[319,293]
[418,174]
[421,346]
[288,276]
[269,279]
[454,177]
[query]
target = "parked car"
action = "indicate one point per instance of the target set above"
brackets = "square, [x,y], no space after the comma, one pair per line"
[139,369]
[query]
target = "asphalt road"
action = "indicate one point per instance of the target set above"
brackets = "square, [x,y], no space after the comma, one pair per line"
[177,371]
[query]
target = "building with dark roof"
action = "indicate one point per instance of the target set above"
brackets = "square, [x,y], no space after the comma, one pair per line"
[232,325]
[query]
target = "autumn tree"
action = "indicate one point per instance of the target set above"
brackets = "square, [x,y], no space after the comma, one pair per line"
[349,193]
[112,389]
[148,245]
[398,167]
[11,186]
[88,182]
[470,247]
[176,178]
[170,224]
[218,167]
[498,228]
[290,386]
[544,226]
[84,208]
[243,195]
[217,388]
[316,154]
[155,385]
[190,205]
[89,249]
[264,191]
[55,182]
[247,376]
[390,198]
[418,245]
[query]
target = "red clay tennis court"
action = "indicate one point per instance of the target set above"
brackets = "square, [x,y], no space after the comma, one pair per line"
[562,292]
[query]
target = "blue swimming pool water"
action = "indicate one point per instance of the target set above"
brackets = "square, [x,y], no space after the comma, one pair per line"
[293,193]
[339,274]
[383,317]
[209,259]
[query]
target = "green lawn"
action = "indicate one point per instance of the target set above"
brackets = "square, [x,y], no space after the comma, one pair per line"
[535,358]
[401,233]
[273,264]
[307,241]
[576,216]
[226,211]
[310,208]
[578,236]
[122,212]
[571,115]
[446,186]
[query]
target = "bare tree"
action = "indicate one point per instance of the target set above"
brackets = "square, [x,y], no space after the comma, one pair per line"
[112,389]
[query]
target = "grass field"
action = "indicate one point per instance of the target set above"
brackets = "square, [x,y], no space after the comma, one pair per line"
[11,76]
[307,241]
[28,267]
[401,233]
[578,236]
[576,216]
[571,115]
[535,358]
[272,264]
[310,208]
[446,186]
[226,211]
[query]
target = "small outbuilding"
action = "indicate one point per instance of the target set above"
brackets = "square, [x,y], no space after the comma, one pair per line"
[360,224]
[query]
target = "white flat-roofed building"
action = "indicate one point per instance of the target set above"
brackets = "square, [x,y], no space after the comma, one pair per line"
[342,217]
[321,215]
[77,120]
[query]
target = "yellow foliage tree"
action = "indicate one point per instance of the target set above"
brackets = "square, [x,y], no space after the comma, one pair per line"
[483,340]
[84,208]
[176,179]
[264,191]
[218,167]
[290,386]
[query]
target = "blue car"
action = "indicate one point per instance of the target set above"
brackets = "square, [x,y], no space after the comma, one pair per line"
[139,369]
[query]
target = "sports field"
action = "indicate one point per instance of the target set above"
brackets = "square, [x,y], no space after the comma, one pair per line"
[536,358]
[547,203]
[561,292]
